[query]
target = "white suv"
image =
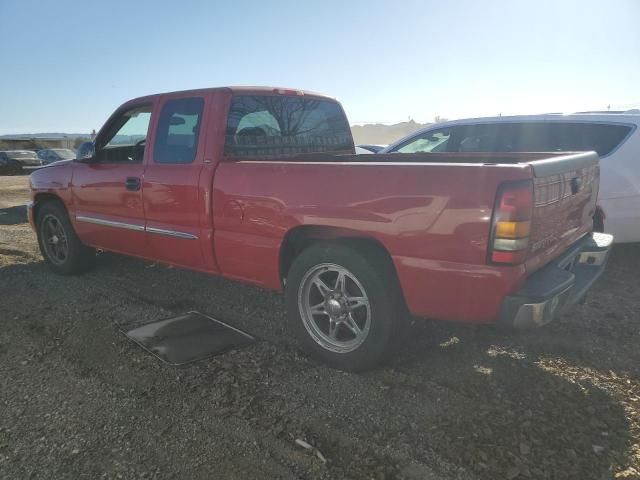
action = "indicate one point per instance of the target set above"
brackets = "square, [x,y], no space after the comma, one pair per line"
[612,134]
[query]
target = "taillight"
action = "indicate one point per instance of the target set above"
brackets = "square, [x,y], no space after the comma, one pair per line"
[509,240]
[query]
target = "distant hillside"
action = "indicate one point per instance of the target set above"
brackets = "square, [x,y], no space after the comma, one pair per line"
[384,134]
[47,135]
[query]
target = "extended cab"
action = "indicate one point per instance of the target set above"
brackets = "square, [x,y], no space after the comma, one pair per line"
[262,185]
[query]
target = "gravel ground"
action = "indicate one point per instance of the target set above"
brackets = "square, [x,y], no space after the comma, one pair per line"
[79,400]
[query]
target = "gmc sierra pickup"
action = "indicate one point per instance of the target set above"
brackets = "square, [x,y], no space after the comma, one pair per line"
[262,185]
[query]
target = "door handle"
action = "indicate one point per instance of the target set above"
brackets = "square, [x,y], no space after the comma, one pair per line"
[132,183]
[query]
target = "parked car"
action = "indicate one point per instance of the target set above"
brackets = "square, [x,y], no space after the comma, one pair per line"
[262,185]
[27,158]
[50,155]
[370,147]
[362,151]
[8,165]
[613,135]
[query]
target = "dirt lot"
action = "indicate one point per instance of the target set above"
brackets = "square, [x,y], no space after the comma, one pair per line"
[79,400]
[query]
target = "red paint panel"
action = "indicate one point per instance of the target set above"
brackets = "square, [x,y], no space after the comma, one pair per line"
[99,192]
[453,291]
[416,211]
[172,197]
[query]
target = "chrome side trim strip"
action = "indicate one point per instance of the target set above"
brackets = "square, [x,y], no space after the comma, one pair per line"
[171,233]
[110,223]
[137,228]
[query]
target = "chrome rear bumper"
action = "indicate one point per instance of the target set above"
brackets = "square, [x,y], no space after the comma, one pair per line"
[558,285]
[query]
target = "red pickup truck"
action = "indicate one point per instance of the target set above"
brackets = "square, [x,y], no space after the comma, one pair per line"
[262,185]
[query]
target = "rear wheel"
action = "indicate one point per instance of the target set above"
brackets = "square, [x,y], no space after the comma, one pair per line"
[61,248]
[342,306]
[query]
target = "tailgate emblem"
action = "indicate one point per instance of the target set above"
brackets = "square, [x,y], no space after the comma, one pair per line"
[576,185]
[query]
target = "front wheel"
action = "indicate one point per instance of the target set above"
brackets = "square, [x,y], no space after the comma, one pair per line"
[342,306]
[61,248]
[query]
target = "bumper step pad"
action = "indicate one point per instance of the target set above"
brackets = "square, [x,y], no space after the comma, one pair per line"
[558,285]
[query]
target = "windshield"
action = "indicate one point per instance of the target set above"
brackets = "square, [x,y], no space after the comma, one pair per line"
[65,154]
[21,154]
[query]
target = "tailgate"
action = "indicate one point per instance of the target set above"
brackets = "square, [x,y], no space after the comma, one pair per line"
[565,193]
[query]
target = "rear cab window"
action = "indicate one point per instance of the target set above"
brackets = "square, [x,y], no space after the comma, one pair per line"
[266,125]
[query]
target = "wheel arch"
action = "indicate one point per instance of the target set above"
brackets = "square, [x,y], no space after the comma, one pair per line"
[40,199]
[301,237]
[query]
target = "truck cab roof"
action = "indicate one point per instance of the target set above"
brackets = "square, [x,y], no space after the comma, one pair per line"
[240,89]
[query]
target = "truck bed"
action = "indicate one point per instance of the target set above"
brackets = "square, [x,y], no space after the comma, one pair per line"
[431,212]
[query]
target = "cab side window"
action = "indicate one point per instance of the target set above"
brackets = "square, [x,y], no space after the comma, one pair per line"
[178,131]
[125,137]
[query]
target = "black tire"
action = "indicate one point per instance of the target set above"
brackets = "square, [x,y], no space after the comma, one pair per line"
[598,223]
[385,311]
[79,258]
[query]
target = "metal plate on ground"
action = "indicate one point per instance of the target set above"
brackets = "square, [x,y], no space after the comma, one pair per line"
[188,338]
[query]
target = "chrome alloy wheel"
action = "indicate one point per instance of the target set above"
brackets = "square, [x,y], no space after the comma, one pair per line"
[334,308]
[54,239]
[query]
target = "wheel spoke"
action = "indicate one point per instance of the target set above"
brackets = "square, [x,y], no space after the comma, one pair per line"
[319,309]
[50,229]
[340,282]
[357,302]
[333,329]
[322,287]
[351,324]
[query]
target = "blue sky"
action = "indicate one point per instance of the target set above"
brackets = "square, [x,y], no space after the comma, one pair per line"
[66,65]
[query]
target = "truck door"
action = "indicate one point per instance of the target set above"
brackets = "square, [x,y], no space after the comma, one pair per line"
[107,192]
[173,198]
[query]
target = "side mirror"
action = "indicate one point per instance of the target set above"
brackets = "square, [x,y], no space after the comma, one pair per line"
[86,152]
